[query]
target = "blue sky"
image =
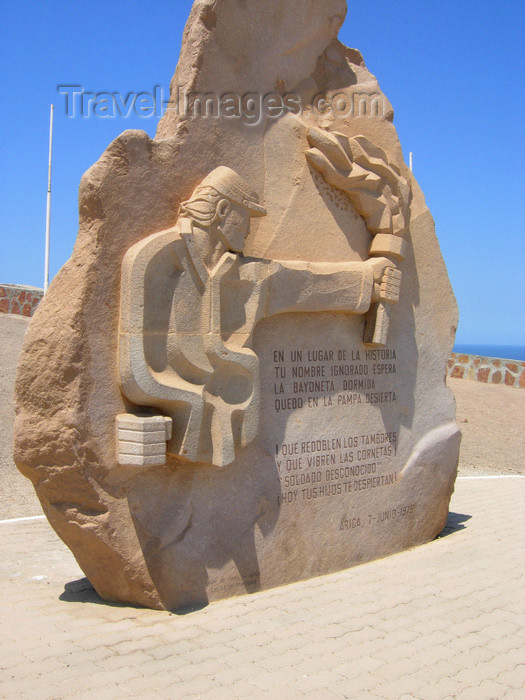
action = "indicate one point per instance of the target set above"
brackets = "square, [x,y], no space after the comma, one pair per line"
[454,72]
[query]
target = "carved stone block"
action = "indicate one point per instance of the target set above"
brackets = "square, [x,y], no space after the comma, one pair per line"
[264,277]
[141,440]
[389,245]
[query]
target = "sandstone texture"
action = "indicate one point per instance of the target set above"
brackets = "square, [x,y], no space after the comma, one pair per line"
[265,284]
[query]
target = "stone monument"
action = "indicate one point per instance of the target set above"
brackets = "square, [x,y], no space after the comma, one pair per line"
[237,380]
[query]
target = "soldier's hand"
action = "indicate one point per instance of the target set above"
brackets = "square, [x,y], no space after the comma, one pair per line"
[387,281]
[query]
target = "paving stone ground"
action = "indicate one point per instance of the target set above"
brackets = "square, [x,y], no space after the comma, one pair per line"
[446,620]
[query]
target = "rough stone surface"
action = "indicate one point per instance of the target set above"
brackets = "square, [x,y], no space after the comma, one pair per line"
[312,428]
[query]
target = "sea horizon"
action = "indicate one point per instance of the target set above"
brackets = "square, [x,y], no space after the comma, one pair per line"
[502,352]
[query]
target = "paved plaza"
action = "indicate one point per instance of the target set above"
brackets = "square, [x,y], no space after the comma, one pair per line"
[445,620]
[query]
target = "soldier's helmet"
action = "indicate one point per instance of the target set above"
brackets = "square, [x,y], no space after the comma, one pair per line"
[235,188]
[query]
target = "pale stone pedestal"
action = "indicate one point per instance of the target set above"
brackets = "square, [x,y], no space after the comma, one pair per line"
[141,440]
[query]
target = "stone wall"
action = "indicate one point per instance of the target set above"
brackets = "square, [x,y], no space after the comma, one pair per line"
[15,299]
[489,370]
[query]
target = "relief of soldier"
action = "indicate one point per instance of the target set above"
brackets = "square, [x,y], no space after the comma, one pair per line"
[190,299]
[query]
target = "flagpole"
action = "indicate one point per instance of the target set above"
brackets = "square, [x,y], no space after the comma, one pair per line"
[48,212]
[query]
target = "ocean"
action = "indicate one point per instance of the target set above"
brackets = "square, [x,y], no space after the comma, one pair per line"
[506,352]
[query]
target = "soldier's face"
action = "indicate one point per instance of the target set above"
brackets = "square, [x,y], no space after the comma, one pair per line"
[236,226]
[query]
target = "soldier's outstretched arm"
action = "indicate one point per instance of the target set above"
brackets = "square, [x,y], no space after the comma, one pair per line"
[349,287]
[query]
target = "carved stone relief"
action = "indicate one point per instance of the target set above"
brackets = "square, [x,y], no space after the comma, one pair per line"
[246,387]
[196,362]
